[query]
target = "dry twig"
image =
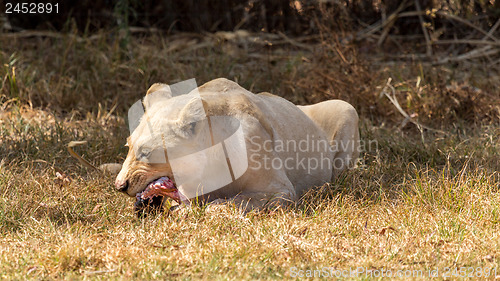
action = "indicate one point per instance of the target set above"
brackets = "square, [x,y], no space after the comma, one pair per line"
[468,23]
[392,98]
[424,30]
[474,54]
[78,157]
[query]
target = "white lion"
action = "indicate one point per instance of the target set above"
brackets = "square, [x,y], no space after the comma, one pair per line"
[287,148]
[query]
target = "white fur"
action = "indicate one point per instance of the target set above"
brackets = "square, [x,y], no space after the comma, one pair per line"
[265,120]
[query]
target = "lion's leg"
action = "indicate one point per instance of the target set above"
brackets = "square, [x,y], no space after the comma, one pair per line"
[256,201]
[346,142]
[339,120]
[268,192]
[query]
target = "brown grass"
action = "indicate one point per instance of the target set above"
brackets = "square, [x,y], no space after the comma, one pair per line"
[419,201]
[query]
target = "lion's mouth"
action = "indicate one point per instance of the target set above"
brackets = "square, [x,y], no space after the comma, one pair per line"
[163,187]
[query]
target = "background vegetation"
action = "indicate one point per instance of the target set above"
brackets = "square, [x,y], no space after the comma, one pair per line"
[423,75]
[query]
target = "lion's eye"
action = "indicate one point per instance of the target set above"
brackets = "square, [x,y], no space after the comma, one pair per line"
[145,152]
[190,128]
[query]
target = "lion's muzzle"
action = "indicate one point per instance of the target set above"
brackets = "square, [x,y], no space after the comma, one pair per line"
[121,185]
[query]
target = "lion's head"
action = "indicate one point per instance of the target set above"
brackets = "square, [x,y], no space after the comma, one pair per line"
[170,128]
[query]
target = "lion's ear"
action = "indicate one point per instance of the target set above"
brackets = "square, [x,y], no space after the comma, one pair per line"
[158,87]
[157,93]
[193,119]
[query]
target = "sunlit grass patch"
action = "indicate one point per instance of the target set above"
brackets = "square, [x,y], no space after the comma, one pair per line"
[418,200]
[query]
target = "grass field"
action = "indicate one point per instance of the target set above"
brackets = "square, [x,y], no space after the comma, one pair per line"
[420,200]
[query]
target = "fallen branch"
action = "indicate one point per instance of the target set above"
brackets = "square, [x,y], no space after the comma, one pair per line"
[464,41]
[388,25]
[48,34]
[392,98]
[466,22]
[295,43]
[474,54]
[492,30]
[370,30]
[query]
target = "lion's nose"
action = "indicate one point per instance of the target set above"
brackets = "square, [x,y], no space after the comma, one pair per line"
[121,185]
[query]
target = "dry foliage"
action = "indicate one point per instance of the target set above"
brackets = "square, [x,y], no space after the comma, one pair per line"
[418,200]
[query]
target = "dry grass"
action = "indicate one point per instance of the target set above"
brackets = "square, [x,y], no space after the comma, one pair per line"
[418,202]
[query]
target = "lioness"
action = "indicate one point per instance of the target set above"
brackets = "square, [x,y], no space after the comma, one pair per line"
[286,148]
